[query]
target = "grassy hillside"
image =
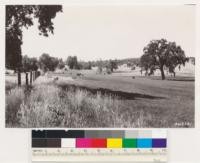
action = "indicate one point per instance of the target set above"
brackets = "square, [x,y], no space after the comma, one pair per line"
[101,101]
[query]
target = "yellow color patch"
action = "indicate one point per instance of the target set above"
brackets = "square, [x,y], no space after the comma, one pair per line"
[114,143]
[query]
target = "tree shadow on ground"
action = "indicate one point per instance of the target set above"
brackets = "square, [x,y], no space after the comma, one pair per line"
[169,78]
[108,92]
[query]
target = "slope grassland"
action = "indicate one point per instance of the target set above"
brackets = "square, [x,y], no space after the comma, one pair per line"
[94,100]
[168,103]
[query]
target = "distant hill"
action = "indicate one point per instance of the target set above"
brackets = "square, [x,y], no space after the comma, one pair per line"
[129,61]
[191,60]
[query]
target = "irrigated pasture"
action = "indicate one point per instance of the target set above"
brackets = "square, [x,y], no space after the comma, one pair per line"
[93,100]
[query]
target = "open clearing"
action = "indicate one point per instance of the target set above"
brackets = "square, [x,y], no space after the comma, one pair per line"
[94,100]
[163,103]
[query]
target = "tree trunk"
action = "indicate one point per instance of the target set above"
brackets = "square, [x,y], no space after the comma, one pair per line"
[111,69]
[26,78]
[146,73]
[31,77]
[19,77]
[162,73]
[174,74]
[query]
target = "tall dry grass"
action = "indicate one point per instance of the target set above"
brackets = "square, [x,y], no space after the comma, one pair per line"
[50,106]
[14,98]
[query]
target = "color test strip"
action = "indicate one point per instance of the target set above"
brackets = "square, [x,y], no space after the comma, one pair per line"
[91,143]
[99,143]
[114,143]
[53,143]
[131,134]
[159,143]
[83,143]
[144,143]
[129,143]
[159,134]
[39,143]
[104,134]
[144,134]
[46,143]
[98,134]
[99,139]
[68,143]
[65,134]
[38,134]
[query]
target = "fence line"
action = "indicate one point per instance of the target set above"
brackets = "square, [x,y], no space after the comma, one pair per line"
[30,77]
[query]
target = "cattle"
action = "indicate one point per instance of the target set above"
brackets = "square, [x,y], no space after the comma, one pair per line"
[55,79]
[79,74]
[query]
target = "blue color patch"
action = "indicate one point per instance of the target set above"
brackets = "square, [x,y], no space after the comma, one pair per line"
[144,143]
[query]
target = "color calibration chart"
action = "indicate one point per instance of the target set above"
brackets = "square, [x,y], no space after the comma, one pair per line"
[137,146]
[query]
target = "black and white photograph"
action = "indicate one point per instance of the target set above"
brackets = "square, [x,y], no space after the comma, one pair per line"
[100,66]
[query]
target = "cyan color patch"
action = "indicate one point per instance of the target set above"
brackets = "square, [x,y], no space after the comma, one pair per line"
[144,143]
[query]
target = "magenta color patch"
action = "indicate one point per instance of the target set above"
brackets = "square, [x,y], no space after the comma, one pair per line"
[83,143]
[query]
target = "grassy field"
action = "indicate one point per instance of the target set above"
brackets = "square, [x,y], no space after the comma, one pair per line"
[101,101]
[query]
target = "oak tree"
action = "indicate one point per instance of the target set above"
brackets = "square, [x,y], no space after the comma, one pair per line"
[160,54]
[19,17]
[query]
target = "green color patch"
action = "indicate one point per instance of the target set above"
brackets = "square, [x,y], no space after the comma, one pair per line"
[129,143]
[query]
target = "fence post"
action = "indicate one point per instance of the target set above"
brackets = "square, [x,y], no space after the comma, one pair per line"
[33,75]
[26,78]
[19,78]
[37,74]
[30,77]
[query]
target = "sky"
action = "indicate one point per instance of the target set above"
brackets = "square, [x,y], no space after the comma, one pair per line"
[112,32]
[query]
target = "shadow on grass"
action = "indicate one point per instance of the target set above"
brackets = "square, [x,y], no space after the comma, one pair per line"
[177,78]
[108,92]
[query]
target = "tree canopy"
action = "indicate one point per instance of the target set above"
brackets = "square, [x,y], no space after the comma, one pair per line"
[29,64]
[112,64]
[48,63]
[72,62]
[20,16]
[160,54]
[61,64]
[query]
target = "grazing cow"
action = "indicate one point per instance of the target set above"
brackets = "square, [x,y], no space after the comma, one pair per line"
[79,74]
[55,79]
